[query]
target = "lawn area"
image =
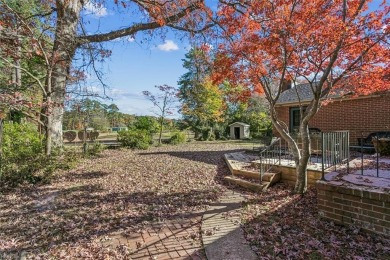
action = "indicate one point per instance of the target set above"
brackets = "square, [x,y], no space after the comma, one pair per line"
[128,191]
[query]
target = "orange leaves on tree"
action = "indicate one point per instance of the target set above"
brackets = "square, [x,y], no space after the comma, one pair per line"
[266,42]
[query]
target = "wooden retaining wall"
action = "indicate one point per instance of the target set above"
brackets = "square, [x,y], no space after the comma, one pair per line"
[289,175]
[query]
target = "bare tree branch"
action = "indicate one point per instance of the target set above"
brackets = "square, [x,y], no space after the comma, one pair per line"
[137,27]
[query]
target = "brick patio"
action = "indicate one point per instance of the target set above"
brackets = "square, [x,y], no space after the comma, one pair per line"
[170,239]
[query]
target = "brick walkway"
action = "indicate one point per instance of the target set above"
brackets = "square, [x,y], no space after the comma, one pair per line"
[171,239]
[223,239]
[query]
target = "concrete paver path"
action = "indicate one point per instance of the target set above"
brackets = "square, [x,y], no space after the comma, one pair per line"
[223,238]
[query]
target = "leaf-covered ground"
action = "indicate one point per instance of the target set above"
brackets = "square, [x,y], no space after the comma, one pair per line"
[281,225]
[125,191]
[122,190]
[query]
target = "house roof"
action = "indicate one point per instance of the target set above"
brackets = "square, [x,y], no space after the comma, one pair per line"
[305,94]
[303,91]
[239,123]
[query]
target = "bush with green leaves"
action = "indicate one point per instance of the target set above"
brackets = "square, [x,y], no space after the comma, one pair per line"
[207,134]
[135,139]
[146,123]
[95,148]
[178,138]
[23,158]
[23,153]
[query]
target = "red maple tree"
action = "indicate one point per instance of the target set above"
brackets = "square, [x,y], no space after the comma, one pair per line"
[328,44]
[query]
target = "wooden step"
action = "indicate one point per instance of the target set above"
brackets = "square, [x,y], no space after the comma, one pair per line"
[256,163]
[257,187]
[268,176]
[274,177]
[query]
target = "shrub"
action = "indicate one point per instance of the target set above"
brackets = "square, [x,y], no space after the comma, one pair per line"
[70,136]
[95,148]
[24,159]
[22,153]
[80,135]
[206,133]
[135,139]
[146,123]
[94,135]
[178,138]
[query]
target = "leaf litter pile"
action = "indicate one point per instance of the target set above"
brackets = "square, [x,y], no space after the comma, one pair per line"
[121,190]
[282,225]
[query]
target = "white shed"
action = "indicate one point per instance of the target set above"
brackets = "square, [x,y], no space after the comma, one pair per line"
[239,130]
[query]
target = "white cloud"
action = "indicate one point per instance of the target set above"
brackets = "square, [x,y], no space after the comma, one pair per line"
[168,45]
[95,9]
[130,39]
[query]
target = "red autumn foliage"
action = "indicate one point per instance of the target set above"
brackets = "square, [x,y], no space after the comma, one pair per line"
[305,40]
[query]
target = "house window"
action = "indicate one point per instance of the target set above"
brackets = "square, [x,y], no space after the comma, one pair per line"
[295,118]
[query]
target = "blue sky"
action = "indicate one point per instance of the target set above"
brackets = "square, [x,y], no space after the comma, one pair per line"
[133,68]
[136,64]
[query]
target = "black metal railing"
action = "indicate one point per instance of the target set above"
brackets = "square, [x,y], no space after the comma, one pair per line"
[278,152]
[329,149]
[335,150]
[366,144]
[269,156]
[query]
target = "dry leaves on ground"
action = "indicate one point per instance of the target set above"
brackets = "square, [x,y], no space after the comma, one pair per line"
[281,225]
[123,190]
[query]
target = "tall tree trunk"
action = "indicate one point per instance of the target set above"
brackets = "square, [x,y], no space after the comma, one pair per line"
[18,71]
[1,147]
[63,52]
[301,156]
[301,168]
[161,129]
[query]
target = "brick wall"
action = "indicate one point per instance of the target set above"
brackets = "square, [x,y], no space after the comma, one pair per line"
[368,209]
[367,115]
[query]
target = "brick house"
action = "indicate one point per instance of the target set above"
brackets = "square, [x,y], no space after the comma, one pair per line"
[360,115]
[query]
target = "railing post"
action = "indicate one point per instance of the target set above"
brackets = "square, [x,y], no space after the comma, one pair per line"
[323,156]
[280,150]
[348,152]
[361,152]
[261,168]
[377,156]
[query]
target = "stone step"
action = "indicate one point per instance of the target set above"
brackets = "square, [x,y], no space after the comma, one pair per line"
[257,187]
